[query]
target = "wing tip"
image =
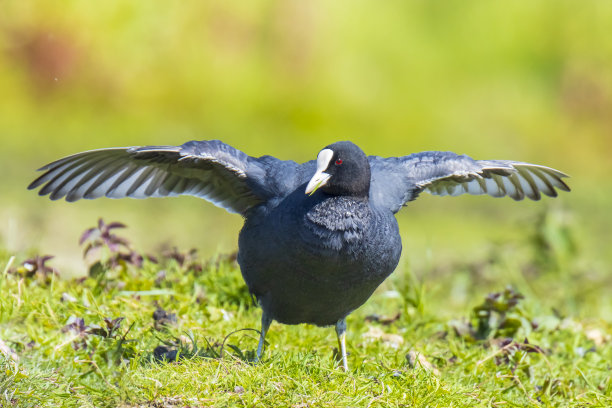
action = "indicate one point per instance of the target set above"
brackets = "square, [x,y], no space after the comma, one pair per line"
[563,186]
[39,181]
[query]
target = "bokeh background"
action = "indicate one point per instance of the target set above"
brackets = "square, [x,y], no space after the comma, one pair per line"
[526,80]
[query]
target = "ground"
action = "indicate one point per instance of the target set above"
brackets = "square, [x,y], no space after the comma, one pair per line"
[169,329]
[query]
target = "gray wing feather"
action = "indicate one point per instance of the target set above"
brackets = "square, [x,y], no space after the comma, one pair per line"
[208,169]
[446,173]
[515,179]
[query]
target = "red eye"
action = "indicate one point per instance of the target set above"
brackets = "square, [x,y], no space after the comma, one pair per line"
[338,162]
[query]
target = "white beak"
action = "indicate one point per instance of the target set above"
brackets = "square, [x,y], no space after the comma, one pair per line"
[320,178]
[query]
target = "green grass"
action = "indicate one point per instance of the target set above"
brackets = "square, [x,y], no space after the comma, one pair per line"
[548,346]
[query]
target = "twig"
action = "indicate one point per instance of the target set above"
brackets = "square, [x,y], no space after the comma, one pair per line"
[8,266]
[501,350]
[232,333]
[518,382]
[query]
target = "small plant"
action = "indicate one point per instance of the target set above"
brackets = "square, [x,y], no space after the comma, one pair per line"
[36,268]
[100,340]
[187,260]
[184,347]
[80,331]
[110,330]
[101,236]
[107,249]
[499,316]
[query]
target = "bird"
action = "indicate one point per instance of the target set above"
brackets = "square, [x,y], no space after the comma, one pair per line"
[318,237]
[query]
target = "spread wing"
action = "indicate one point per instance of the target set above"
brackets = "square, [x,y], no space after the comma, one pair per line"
[397,180]
[211,170]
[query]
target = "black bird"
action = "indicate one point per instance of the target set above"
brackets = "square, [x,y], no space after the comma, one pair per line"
[318,237]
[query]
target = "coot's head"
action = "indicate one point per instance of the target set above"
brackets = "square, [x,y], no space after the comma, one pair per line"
[342,169]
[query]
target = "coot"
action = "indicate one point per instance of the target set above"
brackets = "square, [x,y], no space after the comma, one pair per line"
[318,237]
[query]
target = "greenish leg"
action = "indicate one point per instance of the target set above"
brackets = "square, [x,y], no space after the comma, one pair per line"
[341,333]
[265,325]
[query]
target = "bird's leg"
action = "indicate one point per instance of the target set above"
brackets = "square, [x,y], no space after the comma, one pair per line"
[341,332]
[265,324]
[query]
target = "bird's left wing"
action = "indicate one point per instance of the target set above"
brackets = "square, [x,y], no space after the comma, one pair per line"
[397,180]
[208,169]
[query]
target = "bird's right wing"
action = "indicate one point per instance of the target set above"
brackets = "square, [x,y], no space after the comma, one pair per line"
[397,180]
[207,169]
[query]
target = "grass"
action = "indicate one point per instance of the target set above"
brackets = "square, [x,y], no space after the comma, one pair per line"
[170,329]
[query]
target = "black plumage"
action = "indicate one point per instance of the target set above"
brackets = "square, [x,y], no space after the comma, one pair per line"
[318,237]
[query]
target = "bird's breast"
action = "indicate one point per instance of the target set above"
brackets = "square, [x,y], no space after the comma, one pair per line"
[338,223]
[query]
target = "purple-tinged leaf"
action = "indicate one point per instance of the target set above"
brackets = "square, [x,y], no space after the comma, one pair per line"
[113,225]
[86,235]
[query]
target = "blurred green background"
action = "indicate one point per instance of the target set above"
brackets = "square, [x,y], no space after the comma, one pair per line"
[525,80]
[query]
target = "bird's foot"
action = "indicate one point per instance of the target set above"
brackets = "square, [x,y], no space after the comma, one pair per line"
[341,333]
